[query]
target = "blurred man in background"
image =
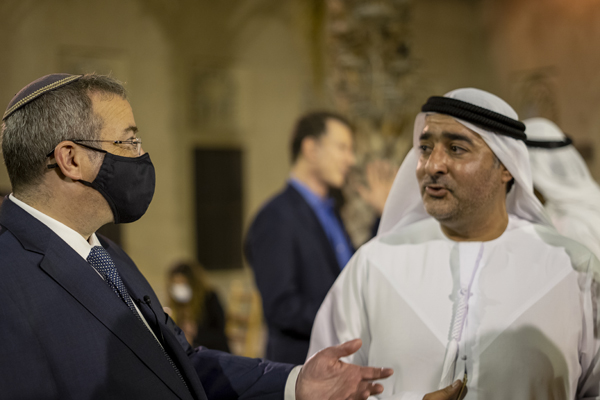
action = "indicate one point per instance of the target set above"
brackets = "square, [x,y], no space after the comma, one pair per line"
[570,195]
[297,244]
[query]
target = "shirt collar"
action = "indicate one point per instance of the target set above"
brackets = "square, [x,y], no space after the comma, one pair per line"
[70,236]
[313,199]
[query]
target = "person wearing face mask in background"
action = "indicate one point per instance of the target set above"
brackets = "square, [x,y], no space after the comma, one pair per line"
[195,306]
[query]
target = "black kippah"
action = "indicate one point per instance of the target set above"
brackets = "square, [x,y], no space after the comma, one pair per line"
[490,120]
[36,89]
[542,144]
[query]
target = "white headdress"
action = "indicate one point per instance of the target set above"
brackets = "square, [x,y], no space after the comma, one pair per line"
[560,174]
[562,177]
[404,205]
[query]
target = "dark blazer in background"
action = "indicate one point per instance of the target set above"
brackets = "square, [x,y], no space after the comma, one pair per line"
[64,334]
[294,266]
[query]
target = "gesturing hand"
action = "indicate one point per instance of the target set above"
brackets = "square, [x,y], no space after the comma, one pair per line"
[325,377]
[448,393]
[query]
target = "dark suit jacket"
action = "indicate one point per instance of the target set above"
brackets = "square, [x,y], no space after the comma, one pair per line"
[294,266]
[64,334]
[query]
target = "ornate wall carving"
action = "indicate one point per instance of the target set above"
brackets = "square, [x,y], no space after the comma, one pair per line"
[368,74]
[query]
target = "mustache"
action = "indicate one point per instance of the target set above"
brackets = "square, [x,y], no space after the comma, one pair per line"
[437,181]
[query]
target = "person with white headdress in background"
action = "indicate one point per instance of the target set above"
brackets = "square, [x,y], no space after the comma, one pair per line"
[467,278]
[570,195]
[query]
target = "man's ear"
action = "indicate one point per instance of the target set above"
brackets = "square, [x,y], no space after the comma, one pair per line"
[69,159]
[308,148]
[506,176]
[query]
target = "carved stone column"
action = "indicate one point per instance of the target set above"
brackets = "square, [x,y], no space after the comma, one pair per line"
[364,66]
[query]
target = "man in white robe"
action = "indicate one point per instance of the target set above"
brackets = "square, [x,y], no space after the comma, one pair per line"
[464,280]
[560,175]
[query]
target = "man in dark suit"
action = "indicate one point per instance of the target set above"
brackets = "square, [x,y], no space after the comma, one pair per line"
[297,244]
[78,320]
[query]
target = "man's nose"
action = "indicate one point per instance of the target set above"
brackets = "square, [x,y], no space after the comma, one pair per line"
[437,162]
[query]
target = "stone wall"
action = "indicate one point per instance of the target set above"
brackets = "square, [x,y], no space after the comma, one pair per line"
[546,62]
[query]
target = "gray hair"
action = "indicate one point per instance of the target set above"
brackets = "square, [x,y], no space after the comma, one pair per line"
[34,130]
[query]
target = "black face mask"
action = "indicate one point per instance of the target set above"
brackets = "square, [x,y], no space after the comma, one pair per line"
[127,184]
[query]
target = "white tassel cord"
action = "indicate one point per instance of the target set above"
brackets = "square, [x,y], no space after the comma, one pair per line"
[460,319]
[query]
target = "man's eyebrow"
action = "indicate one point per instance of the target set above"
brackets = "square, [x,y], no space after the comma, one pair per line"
[457,136]
[448,136]
[425,136]
[131,129]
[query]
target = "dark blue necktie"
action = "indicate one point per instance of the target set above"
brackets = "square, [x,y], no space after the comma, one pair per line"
[103,263]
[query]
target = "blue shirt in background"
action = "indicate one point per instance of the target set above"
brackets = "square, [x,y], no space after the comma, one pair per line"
[324,209]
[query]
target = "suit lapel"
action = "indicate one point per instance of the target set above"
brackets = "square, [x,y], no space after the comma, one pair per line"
[138,287]
[82,282]
[79,279]
[311,221]
[187,367]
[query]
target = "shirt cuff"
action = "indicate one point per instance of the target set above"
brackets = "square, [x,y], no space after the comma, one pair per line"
[290,384]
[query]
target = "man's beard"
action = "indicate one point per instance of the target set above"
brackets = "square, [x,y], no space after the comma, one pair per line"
[446,208]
